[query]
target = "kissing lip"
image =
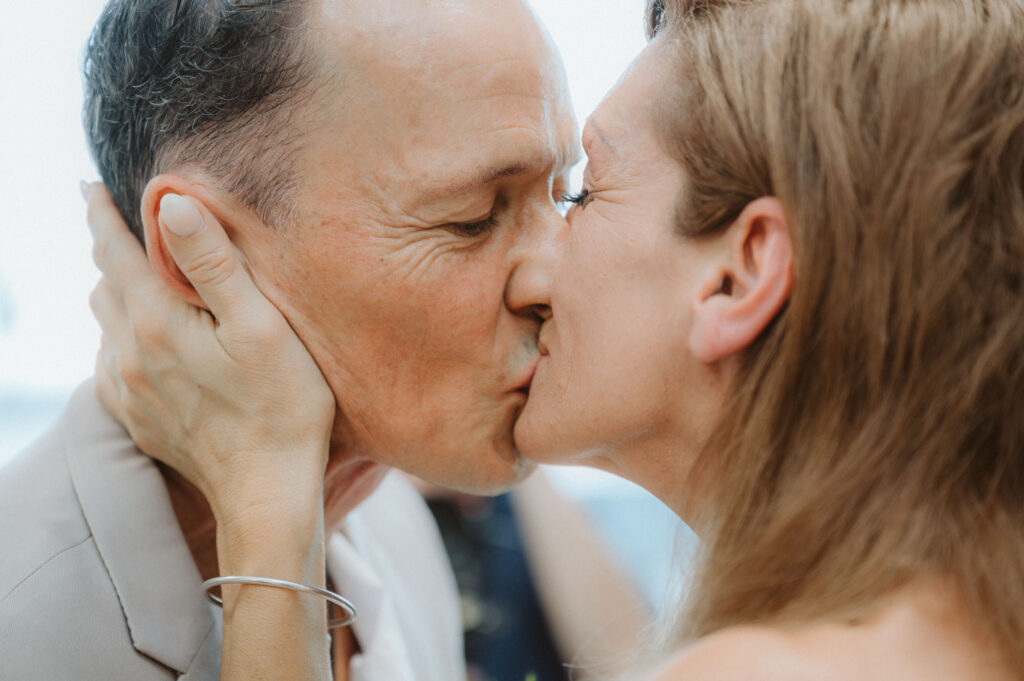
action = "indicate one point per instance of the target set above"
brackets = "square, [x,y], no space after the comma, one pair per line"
[523,386]
[542,347]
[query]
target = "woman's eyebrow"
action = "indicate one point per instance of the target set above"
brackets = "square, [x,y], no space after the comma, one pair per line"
[592,132]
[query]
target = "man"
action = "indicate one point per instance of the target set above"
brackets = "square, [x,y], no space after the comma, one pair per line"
[388,171]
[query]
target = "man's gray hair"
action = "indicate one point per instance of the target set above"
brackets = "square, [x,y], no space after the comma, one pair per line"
[211,84]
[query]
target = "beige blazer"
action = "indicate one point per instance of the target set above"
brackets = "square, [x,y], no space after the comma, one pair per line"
[96,581]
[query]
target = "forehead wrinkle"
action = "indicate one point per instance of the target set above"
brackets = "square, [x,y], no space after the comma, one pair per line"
[489,175]
[532,163]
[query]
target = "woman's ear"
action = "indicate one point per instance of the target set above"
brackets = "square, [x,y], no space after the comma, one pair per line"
[160,258]
[748,284]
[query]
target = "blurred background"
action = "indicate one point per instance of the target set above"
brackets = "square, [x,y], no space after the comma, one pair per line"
[48,338]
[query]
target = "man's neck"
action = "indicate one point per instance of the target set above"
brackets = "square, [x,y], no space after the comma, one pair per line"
[346,485]
[196,520]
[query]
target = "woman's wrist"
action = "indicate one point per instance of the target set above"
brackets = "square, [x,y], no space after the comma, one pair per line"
[264,487]
[270,542]
[284,543]
[263,515]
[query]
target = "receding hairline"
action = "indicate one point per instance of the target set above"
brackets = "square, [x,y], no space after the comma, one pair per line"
[221,99]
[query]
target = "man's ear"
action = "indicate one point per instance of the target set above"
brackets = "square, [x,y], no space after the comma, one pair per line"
[160,258]
[747,285]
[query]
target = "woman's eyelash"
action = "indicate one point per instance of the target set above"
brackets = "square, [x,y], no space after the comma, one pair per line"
[576,198]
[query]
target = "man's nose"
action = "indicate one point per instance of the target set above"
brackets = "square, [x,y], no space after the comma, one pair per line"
[528,290]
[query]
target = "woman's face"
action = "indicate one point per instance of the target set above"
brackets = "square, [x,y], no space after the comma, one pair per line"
[616,386]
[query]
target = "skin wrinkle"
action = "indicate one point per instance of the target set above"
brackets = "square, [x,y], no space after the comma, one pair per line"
[435,213]
[482,179]
[423,260]
[422,333]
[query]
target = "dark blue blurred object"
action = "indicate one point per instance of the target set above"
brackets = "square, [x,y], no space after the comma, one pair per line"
[507,636]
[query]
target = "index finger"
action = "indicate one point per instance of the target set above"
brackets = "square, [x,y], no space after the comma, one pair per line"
[115,250]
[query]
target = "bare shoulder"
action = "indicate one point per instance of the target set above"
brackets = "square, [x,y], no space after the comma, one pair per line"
[746,654]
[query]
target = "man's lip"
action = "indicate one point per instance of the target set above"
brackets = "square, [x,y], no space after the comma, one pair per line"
[523,385]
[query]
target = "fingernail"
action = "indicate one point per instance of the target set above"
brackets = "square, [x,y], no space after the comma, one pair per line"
[83,187]
[181,217]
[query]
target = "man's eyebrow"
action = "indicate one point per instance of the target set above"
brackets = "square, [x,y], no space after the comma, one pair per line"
[489,175]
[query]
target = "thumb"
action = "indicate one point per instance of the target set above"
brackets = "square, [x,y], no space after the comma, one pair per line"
[204,254]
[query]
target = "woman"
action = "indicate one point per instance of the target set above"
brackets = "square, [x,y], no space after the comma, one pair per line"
[790,305]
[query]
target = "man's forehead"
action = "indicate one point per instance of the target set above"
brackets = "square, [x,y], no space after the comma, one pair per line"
[470,176]
[399,49]
[434,120]
[393,30]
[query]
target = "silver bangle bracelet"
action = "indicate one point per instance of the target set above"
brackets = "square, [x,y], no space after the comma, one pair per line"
[329,596]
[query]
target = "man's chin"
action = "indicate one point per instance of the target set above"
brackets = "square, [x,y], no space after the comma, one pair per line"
[499,475]
[522,470]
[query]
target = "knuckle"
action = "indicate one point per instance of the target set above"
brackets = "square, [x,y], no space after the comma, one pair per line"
[92,210]
[95,297]
[147,293]
[101,294]
[108,395]
[133,413]
[211,268]
[107,356]
[148,331]
[132,375]
[100,248]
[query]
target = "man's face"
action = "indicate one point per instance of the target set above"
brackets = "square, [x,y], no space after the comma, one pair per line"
[428,222]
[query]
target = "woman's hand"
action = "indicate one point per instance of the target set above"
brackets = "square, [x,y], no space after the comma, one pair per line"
[231,399]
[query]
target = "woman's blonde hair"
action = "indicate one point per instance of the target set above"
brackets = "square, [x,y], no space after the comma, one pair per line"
[876,432]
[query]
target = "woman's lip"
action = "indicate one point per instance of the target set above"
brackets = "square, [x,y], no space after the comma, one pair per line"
[545,330]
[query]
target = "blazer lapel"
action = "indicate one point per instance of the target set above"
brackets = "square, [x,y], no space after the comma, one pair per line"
[125,502]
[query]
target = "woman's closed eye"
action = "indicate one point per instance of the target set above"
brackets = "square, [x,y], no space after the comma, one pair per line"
[581,198]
